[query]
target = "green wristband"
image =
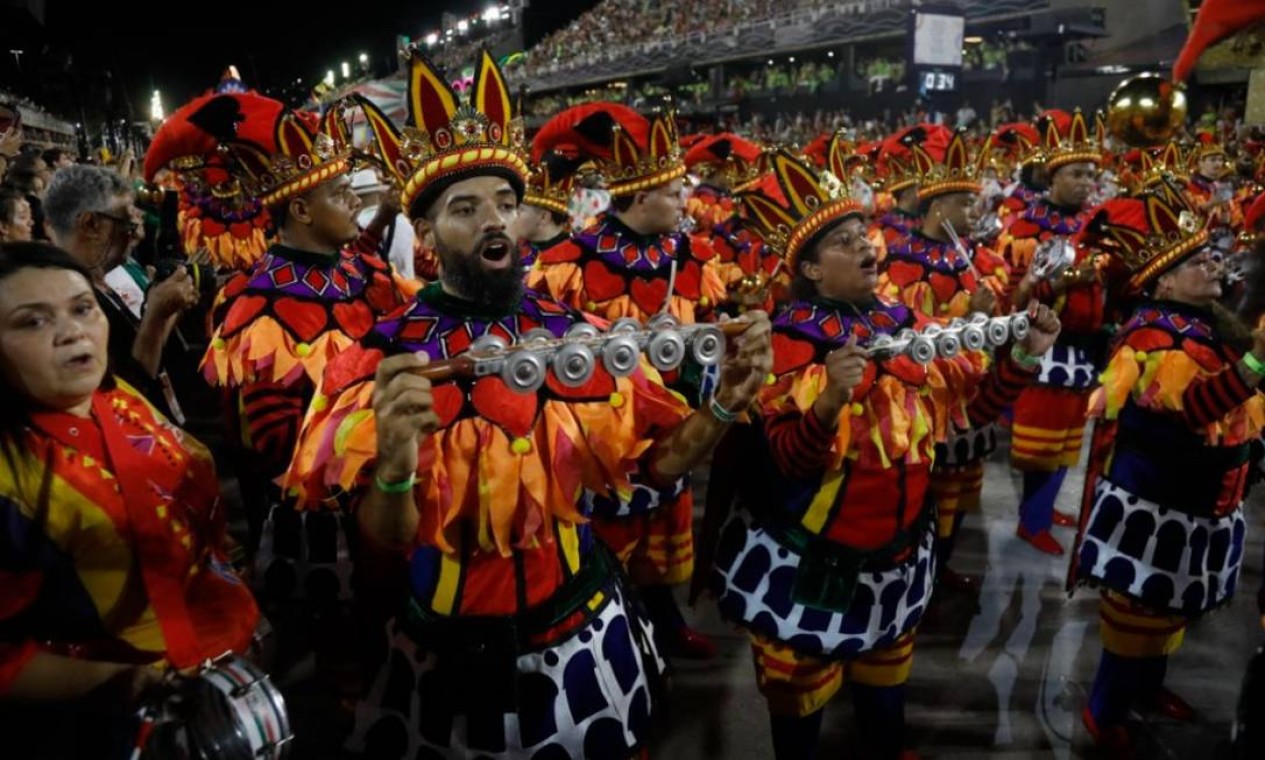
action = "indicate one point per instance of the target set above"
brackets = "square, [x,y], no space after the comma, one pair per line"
[404,486]
[1024,359]
[1254,364]
[721,413]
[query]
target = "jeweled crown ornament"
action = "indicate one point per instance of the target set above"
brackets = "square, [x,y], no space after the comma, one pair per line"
[446,139]
[796,201]
[1149,233]
[632,153]
[304,151]
[944,169]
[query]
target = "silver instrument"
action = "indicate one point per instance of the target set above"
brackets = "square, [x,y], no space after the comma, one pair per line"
[987,228]
[937,340]
[230,710]
[573,358]
[1053,258]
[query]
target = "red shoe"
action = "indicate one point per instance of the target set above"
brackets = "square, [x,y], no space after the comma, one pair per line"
[691,645]
[1042,541]
[952,579]
[1171,706]
[1065,520]
[1114,741]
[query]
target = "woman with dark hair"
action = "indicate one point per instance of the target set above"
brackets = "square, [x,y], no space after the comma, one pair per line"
[112,544]
[1180,403]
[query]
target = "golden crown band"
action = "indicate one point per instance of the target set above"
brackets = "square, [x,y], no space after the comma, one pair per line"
[1165,259]
[453,163]
[1084,156]
[318,175]
[930,190]
[814,222]
[547,202]
[646,182]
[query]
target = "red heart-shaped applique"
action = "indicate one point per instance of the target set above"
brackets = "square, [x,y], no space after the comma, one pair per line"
[790,354]
[354,317]
[1205,357]
[241,230]
[495,402]
[243,311]
[448,399]
[648,295]
[907,370]
[306,320]
[601,283]
[600,386]
[903,273]
[212,228]
[943,286]
[689,278]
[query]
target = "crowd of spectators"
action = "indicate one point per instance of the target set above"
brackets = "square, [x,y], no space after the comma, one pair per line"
[617,25]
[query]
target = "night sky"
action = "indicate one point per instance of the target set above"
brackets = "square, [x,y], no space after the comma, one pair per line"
[91,49]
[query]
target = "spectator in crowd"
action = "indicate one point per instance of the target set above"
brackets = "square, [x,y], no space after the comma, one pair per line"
[15,217]
[57,158]
[91,215]
[28,174]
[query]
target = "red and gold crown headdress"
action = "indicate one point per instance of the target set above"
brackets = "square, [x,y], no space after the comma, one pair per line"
[446,140]
[796,201]
[734,158]
[945,168]
[1149,233]
[632,153]
[1065,139]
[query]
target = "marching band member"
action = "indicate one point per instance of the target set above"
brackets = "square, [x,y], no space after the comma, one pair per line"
[518,638]
[830,563]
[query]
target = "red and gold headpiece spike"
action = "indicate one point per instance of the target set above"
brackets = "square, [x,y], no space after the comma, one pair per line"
[1067,140]
[1149,233]
[303,152]
[794,202]
[632,153]
[552,181]
[945,169]
[725,156]
[447,140]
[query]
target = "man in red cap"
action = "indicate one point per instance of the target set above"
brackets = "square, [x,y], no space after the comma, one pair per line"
[514,635]
[545,217]
[634,262]
[1049,418]
[723,163]
[937,270]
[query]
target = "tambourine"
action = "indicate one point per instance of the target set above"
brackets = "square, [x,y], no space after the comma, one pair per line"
[574,357]
[977,332]
[1052,258]
[229,711]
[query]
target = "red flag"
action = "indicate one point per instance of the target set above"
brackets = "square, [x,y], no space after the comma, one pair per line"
[1217,20]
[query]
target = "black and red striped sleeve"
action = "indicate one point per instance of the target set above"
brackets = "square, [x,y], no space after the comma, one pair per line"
[1207,400]
[271,414]
[799,442]
[368,242]
[998,390]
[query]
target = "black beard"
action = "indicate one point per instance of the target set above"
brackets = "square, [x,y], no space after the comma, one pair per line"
[496,290]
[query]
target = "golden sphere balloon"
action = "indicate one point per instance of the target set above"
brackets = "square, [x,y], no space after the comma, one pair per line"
[1146,110]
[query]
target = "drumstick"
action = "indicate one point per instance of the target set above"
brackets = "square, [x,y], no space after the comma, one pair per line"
[463,365]
[148,717]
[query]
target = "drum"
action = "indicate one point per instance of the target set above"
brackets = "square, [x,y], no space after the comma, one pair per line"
[229,711]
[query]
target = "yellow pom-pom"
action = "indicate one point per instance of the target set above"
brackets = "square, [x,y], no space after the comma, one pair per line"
[521,446]
[944,307]
[320,402]
[617,399]
[770,379]
[1140,355]
[303,350]
[590,306]
[218,344]
[704,302]
[857,410]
